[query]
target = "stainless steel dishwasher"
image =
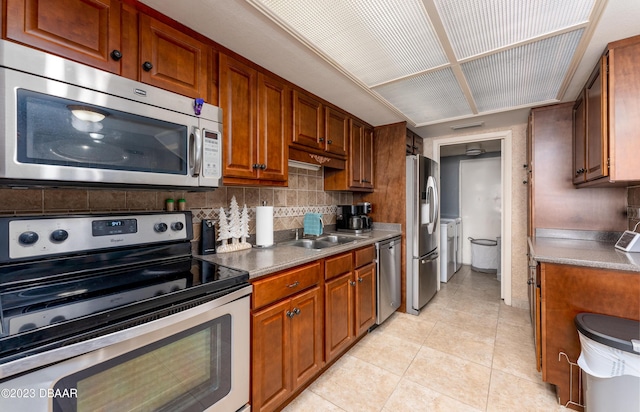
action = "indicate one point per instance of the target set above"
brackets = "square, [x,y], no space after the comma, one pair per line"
[388,278]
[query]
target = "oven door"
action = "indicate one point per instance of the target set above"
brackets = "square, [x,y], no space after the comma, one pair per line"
[58,133]
[194,360]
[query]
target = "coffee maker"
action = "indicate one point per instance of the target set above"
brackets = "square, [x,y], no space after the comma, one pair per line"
[354,218]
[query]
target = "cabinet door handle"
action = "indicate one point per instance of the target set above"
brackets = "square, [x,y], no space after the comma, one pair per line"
[294,284]
[321,139]
[296,311]
[360,280]
[352,283]
[263,166]
[147,66]
[530,281]
[329,141]
[116,55]
[290,314]
[255,166]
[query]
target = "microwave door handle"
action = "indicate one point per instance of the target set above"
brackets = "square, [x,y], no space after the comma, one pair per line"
[196,146]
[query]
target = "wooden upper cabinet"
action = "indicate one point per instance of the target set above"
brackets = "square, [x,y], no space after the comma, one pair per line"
[337,131]
[612,104]
[308,126]
[361,156]
[256,129]
[172,60]
[596,125]
[579,140]
[85,31]
[274,128]
[359,174]
[238,100]
[415,144]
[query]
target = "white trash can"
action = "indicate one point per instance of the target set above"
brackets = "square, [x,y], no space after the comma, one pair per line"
[610,362]
[484,255]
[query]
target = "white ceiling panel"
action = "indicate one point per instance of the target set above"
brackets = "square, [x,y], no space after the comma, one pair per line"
[427,98]
[376,41]
[396,60]
[521,76]
[476,27]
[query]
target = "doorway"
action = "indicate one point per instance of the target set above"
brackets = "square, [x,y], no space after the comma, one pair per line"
[504,139]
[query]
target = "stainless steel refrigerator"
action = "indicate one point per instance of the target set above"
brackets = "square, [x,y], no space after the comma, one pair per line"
[422,232]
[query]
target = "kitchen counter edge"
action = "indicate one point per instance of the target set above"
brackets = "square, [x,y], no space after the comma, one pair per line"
[265,261]
[587,253]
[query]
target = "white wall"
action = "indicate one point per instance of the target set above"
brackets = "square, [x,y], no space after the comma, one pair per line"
[480,201]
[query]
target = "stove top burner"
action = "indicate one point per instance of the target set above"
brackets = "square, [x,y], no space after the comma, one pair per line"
[48,299]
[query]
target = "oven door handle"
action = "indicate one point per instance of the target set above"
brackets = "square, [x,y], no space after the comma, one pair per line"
[195,143]
[150,329]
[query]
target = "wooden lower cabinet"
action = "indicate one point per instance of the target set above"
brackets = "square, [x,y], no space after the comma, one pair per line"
[339,309]
[566,291]
[365,298]
[286,348]
[306,317]
[350,301]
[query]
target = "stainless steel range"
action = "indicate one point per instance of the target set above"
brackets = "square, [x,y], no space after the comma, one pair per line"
[112,312]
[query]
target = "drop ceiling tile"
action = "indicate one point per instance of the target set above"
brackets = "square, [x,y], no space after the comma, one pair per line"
[476,27]
[376,41]
[428,97]
[523,75]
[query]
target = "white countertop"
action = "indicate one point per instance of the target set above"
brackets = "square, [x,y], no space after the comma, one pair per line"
[263,261]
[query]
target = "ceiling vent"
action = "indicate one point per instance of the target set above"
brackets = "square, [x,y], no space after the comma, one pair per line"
[474,149]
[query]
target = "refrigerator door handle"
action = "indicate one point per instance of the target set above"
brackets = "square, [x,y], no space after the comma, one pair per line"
[433,211]
[431,258]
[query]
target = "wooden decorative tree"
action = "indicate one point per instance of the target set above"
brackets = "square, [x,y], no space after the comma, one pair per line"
[235,228]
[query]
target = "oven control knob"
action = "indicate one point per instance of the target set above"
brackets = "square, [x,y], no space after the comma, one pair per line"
[160,227]
[59,235]
[177,226]
[28,238]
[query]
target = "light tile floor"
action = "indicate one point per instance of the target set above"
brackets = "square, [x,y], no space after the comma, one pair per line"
[467,351]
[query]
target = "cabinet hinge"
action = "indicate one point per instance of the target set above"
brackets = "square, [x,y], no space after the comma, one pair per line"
[608,162]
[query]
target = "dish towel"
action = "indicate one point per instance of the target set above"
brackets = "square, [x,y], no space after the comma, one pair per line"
[312,224]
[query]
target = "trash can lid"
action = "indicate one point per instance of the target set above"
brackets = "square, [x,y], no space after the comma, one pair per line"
[609,330]
[484,242]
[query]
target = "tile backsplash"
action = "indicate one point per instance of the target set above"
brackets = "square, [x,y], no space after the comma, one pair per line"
[305,193]
[633,205]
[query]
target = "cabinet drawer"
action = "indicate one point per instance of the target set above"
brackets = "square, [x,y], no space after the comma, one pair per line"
[285,284]
[364,256]
[337,265]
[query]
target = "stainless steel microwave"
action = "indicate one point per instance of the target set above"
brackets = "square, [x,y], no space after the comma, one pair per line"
[66,124]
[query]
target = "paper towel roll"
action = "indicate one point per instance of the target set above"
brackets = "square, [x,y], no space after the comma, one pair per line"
[264,226]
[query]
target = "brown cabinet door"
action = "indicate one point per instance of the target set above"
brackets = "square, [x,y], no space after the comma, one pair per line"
[367,159]
[596,129]
[337,131]
[579,140]
[356,142]
[339,329]
[307,121]
[274,128]
[306,336]
[365,299]
[238,100]
[271,351]
[172,60]
[86,31]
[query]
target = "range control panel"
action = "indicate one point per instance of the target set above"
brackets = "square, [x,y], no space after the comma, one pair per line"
[43,236]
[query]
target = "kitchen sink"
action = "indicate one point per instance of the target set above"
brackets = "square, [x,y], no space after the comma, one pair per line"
[321,242]
[336,239]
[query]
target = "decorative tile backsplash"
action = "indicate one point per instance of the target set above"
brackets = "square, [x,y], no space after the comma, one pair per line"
[305,193]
